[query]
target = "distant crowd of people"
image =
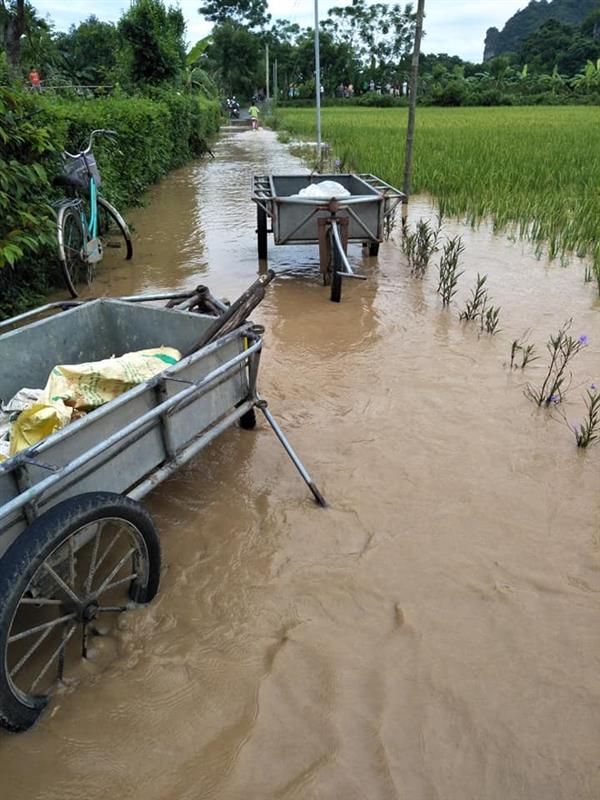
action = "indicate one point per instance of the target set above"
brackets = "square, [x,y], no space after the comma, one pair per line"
[347,89]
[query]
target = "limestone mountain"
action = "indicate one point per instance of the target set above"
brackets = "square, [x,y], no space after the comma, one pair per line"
[529,19]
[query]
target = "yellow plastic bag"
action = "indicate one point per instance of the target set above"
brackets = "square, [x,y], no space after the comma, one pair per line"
[73,389]
[37,422]
[87,386]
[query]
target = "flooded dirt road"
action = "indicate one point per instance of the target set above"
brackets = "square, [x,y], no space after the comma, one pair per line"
[434,634]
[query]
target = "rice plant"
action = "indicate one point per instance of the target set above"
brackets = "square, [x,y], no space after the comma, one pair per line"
[589,430]
[521,348]
[477,302]
[519,167]
[419,246]
[562,348]
[448,269]
[490,317]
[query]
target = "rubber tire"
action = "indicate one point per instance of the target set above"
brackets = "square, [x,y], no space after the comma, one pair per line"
[32,547]
[336,272]
[248,420]
[124,230]
[373,248]
[66,216]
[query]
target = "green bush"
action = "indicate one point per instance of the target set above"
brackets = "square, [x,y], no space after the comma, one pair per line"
[380,100]
[26,217]
[156,134]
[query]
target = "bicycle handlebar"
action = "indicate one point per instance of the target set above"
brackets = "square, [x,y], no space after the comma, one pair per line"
[98,132]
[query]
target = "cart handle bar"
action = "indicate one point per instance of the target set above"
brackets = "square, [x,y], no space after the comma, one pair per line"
[349,272]
[323,201]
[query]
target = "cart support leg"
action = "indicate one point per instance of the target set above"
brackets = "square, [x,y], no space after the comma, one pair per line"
[262,405]
[261,232]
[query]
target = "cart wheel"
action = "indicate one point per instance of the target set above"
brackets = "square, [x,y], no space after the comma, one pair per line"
[94,555]
[335,271]
[373,248]
[248,420]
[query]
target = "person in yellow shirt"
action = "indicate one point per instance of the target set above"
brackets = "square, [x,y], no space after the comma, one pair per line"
[254,111]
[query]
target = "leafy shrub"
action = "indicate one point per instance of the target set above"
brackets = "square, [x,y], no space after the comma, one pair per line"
[155,135]
[380,100]
[26,217]
[453,93]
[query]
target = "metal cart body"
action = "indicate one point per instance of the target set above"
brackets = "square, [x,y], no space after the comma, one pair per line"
[331,223]
[293,217]
[120,446]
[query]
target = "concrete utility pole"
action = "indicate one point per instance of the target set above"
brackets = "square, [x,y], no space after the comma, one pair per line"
[267,69]
[412,109]
[275,82]
[318,79]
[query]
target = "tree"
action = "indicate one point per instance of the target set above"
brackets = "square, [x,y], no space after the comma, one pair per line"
[591,24]
[154,42]
[234,57]
[12,27]
[339,63]
[560,45]
[282,38]
[89,50]
[588,78]
[251,12]
[197,65]
[379,34]
[38,45]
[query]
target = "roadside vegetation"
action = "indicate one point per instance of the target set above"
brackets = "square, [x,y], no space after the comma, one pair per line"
[163,108]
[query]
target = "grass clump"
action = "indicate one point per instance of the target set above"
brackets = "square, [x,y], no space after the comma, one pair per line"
[448,269]
[563,348]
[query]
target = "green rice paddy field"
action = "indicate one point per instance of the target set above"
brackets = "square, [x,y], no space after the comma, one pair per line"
[538,167]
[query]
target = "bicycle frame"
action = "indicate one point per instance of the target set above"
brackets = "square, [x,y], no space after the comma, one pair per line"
[90,227]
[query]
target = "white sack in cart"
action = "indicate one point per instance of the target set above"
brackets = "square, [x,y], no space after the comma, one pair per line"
[324,190]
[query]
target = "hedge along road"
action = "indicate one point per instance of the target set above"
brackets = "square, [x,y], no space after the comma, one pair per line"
[431,635]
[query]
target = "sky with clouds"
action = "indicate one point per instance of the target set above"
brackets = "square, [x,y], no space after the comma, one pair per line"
[456,27]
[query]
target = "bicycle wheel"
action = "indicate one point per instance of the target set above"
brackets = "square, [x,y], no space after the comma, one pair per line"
[335,269]
[113,230]
[70,248]
[90,557]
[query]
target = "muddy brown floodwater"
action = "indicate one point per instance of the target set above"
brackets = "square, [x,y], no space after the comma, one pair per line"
[435,633]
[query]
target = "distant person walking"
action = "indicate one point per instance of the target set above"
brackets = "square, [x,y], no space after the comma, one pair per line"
[254,112]
[34,79]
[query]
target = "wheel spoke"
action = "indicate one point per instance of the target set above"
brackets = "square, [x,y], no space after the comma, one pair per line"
[92,569]
[106,583]
[120,582]
[21,663]
[56,653]
[38,628]
[115,609]
[102,558]
[40,601]
[64,586]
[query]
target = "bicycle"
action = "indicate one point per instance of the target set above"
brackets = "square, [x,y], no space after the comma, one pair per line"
[87,224]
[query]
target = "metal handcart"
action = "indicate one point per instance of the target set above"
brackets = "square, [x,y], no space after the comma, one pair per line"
[332,224]
[76,545]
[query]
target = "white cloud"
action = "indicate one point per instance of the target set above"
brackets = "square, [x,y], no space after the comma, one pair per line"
[456,27]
